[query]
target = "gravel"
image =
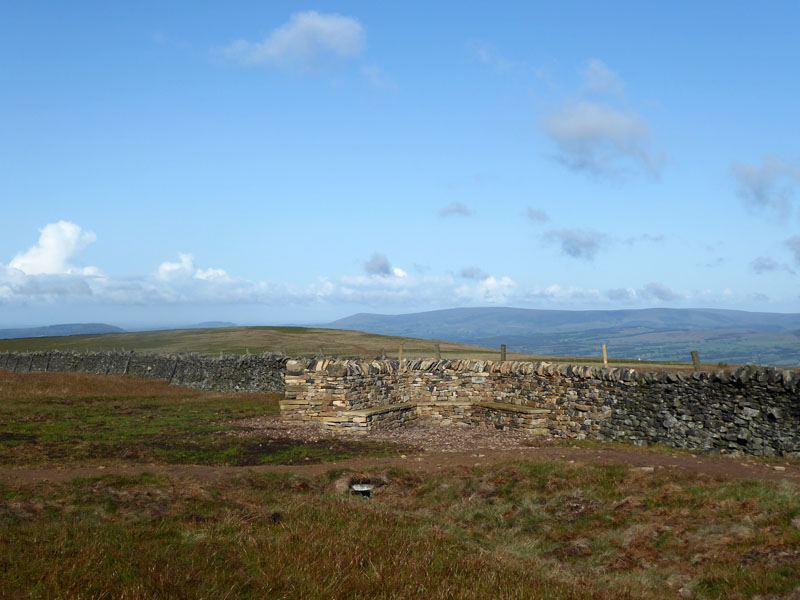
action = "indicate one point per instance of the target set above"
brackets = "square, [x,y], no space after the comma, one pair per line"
[424,436]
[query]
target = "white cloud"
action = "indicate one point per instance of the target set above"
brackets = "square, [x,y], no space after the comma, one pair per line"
[601,140]
[168,271]
[58,243]
[308,40]
[181,283]
[210,274]
[496,291]
[645,294]
[768,185]
[185,269]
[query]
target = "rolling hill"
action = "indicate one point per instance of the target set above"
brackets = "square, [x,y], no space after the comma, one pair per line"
[293,341]
[657,334]
[58,330]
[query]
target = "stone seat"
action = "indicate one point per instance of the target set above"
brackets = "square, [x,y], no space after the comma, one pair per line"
[362,419]
[515,408]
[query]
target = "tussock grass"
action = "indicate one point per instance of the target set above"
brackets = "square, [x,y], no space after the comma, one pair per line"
[264,536]
[516,530]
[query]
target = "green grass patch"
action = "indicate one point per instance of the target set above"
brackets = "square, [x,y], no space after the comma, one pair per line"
[61,419]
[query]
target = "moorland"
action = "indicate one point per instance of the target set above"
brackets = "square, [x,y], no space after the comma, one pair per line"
[113,487]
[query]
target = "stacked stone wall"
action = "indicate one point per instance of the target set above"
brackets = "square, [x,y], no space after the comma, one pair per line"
[249,373]
[753,409]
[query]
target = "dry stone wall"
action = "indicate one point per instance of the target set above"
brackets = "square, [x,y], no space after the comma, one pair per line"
[249,373]
[753,409]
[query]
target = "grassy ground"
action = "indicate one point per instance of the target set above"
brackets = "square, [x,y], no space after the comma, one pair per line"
[519,529]
[67,419]
[295,341]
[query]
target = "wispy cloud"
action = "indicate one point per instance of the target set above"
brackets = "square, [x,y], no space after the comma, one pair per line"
[621,294]
[659,292]
[537,215]
[793,244]
[455,209]
[488,55]
[308,40]
[379,265]
[472,273]
[651,291]
[600,80]
[768,185]
[764,264]
[600,140]
[578,243]
[598,137]
[377,79]
[645,237]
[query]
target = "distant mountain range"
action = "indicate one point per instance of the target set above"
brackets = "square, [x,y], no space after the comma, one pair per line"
[728,336]
[59,330]
[208,325]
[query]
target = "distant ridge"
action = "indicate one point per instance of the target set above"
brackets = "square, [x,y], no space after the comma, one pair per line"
[649,334]
[59,330]
[208,325]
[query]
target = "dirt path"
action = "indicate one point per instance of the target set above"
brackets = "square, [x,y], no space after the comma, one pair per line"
[720,468]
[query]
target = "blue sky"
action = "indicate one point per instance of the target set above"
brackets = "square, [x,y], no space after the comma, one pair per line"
[273,162]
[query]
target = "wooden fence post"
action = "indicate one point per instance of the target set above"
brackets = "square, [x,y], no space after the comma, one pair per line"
[605,356]
[502,352]
[438,351]
[696,360]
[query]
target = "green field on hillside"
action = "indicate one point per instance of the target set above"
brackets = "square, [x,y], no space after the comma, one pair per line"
[292,341]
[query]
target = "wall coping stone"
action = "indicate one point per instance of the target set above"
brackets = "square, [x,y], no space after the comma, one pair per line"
[347,367]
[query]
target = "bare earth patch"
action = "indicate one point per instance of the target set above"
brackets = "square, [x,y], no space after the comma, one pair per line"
[426,447]
[422,436]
